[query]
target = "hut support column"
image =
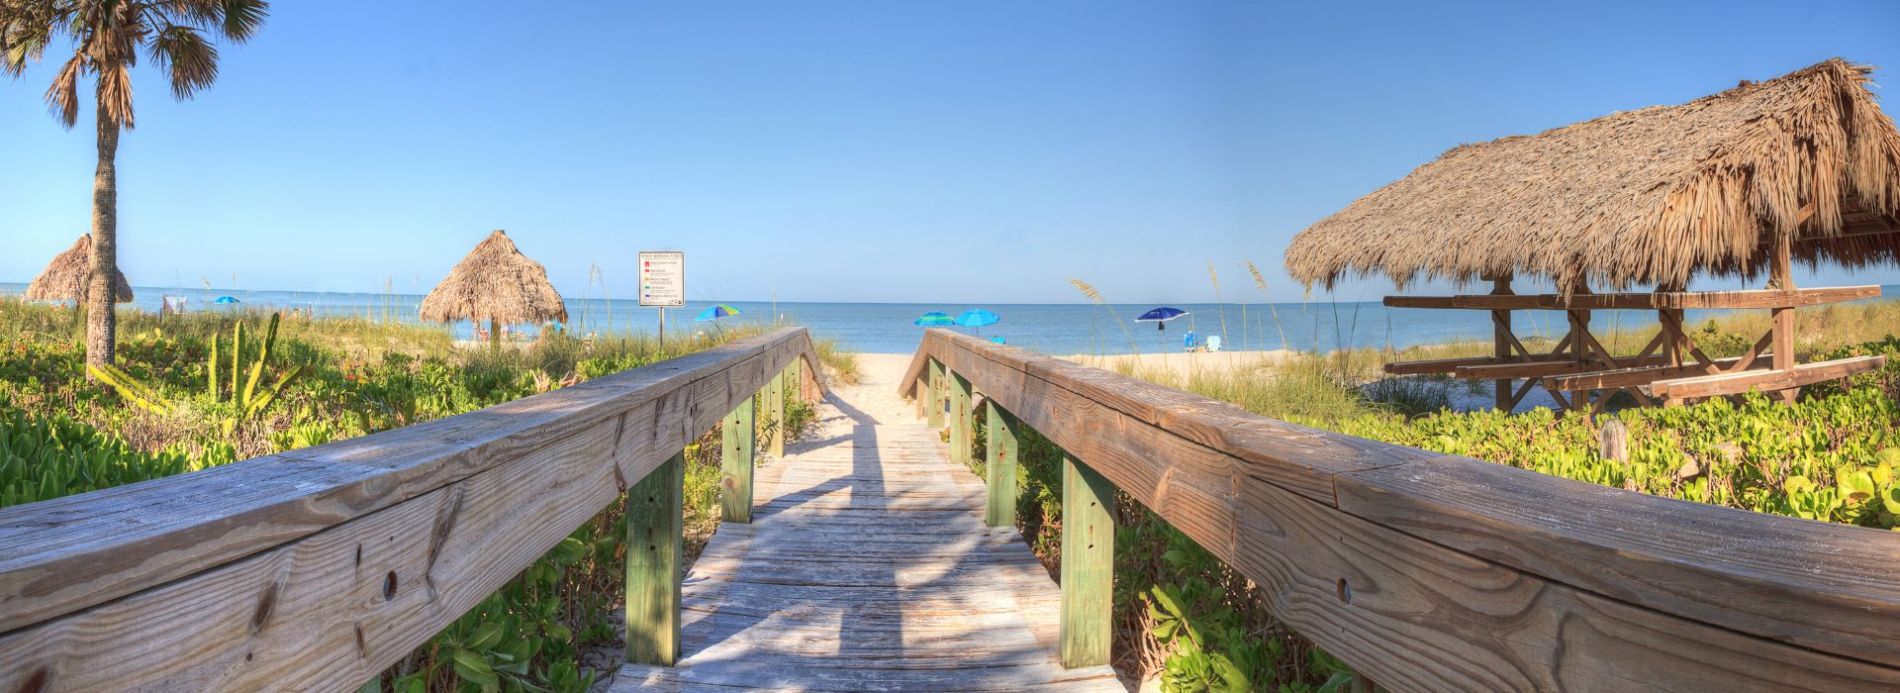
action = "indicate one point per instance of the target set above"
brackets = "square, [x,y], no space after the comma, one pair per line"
[1782,277]
[1501,342]
[1580,345]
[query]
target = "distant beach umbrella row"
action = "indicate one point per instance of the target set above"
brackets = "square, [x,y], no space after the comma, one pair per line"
[67,277]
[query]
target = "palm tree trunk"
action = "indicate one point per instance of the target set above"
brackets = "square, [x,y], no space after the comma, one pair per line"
[101,293]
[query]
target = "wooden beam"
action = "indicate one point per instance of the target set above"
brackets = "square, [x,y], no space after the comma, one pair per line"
[774,400]
[1088,565]
[1769,380]
[1656,368]
[1752,298]
[933,409]
[655,554]
[1538,369]
[962,419]
[1503,339]
[1002,443]
[1450,365]
[325,566]
[738,442]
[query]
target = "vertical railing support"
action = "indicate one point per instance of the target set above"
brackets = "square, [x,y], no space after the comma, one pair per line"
[654,554]
[737,438]
[962,419]
[1000,448]
[933,408]
[775,415]
[1088,564]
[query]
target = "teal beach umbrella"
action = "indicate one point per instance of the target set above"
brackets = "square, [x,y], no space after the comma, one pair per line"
[977,317]
[935,318]
[717,311]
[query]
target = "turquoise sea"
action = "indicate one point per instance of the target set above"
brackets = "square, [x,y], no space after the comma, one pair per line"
[1046,327]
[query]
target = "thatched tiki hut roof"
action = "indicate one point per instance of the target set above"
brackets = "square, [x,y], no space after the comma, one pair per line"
[497,284]
[66,278]
[1651,196]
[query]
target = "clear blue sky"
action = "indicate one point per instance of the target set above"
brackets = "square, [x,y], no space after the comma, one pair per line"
[966,152]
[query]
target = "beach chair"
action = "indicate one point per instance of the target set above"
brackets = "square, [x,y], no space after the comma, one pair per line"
[1188,341]
[1213,343]
[999,339]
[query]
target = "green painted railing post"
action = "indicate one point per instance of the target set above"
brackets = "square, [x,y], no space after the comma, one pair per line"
[1000,472]
[654,554]
[737,438]
[933,409]
[1088,564]
[795,379]
[775,413]
[962,419]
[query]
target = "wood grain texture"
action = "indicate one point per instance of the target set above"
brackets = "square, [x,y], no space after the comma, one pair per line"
[325,566]
[868,567]
[1469,590]
[738,443]
[774,414]
[1004,443]
[655,553]
[1662,300]
[962,419]
[1088,565]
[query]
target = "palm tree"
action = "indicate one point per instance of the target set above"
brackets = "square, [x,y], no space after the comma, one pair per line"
[107,37]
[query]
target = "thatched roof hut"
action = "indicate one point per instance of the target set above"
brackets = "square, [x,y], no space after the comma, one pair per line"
[66,277]
[1651,196]
[496,284]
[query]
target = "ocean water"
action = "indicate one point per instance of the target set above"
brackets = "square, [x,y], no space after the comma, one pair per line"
[1047,328]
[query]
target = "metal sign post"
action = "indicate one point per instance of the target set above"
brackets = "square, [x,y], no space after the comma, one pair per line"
[663,283]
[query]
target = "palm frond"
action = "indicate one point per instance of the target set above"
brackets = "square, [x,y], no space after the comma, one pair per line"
[62,97]
[190,60]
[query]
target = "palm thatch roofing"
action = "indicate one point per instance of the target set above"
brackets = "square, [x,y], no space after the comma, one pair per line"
[1651,196]
[67,277]
[495,282]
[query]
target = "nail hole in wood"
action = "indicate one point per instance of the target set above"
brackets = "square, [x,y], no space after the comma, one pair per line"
[1344,591]
[389,586]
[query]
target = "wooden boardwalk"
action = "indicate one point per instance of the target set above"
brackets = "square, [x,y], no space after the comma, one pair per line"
[868,567]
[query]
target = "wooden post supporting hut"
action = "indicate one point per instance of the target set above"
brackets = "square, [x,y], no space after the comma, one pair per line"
[1804,167]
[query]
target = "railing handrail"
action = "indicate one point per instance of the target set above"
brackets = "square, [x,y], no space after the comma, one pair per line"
[324,565]
[1439,572]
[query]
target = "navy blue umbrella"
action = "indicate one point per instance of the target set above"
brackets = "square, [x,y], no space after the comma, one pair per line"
[1161,316]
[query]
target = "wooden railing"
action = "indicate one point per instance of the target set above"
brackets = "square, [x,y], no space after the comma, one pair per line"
[1432,572]
[316,569]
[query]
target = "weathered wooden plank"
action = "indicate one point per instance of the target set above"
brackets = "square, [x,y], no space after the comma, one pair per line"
[1765,380]
[1088,565]
[1664,300]
[962,419]
[1001,447]
[205,581]
[933,408]
[655,551]
[1782,576]
[1631,377]
[737,441]
[1541,369]
[774,415]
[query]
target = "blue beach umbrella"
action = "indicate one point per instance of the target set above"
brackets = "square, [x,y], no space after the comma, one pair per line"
[977,317]
[1161,316]
[717,311]
[227,300]
[935,318]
